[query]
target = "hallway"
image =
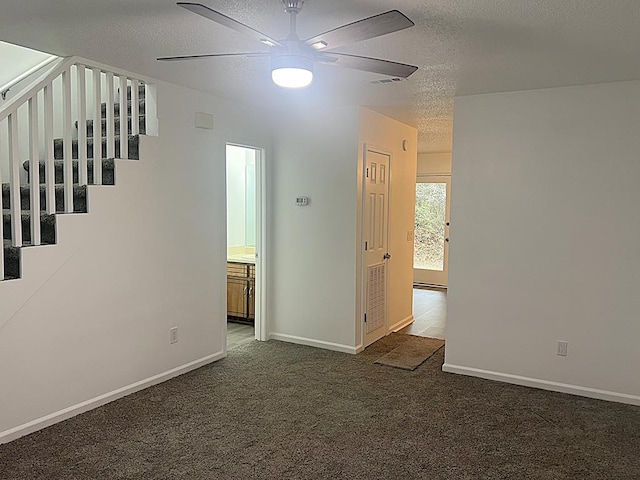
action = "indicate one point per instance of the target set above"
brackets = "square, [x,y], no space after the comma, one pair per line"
[429,313]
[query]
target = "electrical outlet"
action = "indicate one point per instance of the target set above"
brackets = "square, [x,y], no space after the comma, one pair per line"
[410,236]
[562,348]
[173,335]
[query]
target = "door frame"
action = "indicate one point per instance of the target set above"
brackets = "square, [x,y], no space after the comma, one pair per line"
[362,282]
[423,178]
[260,321]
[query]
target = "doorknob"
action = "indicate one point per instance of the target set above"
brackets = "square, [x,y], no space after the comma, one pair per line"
[446,239]
[386,256]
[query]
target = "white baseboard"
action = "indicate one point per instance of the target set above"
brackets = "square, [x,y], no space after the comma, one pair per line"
[59,416]
[309,342]
[401,324]
[543,384]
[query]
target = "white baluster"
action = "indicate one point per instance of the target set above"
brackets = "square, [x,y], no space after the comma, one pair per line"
[97,128]
[67,155]
[49,173]
[135,109]
[124,123]
[150,110]
[110,117]
[82,125]
[14,181]
[34,170]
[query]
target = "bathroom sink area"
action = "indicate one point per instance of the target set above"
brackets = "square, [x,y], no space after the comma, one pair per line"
[242,257]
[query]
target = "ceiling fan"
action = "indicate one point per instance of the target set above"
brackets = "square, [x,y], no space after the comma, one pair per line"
[292,59]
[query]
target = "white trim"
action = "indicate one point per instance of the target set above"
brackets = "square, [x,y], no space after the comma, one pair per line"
[309,342]
[429,285]
[430,175]
[543,384]
[401,324]
[261,247]
[260,309]
[362,287]
[69,412]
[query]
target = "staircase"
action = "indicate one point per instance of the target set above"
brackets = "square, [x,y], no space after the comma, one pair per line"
[54,172]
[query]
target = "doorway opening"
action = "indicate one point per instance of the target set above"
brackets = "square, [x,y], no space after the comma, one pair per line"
[431,256]
[245,244]
[431,240]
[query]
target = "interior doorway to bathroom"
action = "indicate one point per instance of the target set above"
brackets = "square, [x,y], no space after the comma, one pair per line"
[245,244]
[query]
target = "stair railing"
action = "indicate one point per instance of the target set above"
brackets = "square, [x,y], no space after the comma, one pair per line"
[4,90]
[70,88]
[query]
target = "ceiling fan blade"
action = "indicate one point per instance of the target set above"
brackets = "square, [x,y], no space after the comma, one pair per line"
[211,55]
[364,29]
[367,64]
[229,22]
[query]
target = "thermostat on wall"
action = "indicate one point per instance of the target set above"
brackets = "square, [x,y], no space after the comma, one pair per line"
[302,201]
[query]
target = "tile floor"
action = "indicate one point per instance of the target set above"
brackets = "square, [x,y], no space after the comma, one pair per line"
[429,313]
[239,334]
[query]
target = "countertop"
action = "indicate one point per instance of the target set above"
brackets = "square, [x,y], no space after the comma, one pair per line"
[242,258]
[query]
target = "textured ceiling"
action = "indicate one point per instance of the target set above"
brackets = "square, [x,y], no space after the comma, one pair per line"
[461,46]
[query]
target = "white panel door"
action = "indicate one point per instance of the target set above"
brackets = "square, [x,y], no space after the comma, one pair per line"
[431,238]
[376,255]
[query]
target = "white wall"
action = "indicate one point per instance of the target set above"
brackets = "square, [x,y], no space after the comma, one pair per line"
[315,256]
[546,239]
[312,284]
[434,163]
[251,191]
[90,319]
[236,196]
[387,134]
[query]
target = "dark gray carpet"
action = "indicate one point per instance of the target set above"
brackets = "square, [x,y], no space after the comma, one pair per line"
[279,411]
[412,352]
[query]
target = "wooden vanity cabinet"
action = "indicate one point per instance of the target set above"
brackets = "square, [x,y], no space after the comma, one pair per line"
[241,292]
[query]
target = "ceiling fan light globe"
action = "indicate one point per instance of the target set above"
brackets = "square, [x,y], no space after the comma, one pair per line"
[288,77]
[292,71]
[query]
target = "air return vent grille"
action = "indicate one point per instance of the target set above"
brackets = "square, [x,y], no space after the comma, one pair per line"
[376,287]
[388,80]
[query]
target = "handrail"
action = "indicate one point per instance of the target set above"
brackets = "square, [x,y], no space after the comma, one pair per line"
[49,76]
[88,87]
[5,88]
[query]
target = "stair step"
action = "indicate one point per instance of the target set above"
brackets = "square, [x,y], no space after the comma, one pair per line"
[47,226]
[11,261]
[116,108]
[90,122]
[79,197]
[134,141]
[108,171]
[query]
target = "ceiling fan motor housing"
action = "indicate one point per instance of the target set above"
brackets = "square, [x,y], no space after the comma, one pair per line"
[292,60]
[293,6]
